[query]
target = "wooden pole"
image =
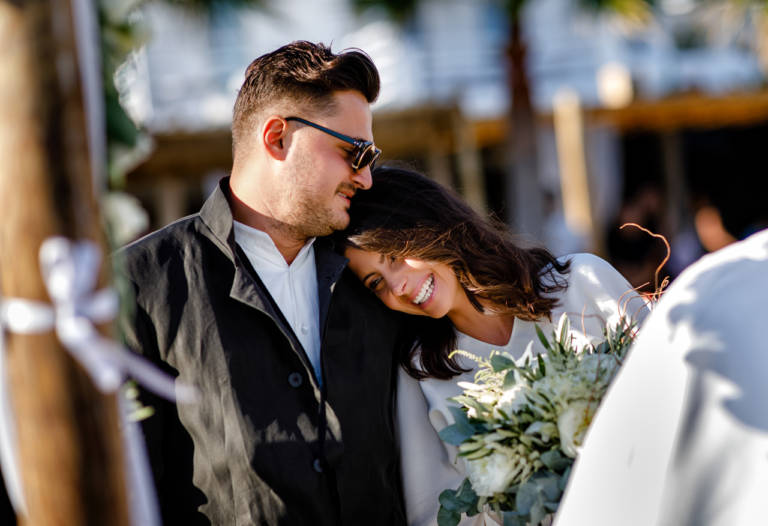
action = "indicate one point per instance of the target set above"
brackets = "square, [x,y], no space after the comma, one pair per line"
[69,443]
[574,176]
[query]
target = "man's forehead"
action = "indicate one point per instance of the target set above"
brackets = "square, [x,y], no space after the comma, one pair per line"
[352,114]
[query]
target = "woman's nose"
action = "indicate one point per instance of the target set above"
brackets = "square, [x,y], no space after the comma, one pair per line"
[399,283]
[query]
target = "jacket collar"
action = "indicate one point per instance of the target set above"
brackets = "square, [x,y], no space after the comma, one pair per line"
[216,214]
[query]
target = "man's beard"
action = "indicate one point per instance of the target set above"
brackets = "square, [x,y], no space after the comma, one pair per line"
[311,218]
[312,215]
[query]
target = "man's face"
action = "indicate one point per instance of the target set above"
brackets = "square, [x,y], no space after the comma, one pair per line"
[317,181]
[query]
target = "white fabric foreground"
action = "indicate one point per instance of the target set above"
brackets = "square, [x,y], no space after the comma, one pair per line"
[70,272]
[682,435]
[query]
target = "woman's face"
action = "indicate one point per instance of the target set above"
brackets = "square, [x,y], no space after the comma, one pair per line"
[413,286]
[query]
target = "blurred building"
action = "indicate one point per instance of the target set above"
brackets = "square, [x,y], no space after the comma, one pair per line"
[658,119]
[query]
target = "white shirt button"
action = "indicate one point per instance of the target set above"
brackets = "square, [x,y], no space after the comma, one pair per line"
[304,328]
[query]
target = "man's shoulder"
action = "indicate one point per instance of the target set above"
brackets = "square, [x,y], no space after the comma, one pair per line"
[161,246]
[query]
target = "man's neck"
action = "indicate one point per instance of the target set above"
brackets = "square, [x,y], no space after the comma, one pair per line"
[286,239]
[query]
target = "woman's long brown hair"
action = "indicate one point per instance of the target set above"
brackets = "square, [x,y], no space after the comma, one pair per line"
[405,214]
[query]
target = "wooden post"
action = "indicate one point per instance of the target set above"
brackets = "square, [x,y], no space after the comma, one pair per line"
[574,177]
[69,444]
[469,163]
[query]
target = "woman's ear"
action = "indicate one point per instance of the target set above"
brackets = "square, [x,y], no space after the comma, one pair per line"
[272,135]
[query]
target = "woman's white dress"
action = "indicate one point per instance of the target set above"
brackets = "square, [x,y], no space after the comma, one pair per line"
[596,294]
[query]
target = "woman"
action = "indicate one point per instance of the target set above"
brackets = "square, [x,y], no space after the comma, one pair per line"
[423,251]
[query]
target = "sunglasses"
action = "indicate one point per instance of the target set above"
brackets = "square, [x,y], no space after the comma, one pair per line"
[364,154]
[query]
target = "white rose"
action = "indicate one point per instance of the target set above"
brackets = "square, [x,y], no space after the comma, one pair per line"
[492,474]
[572,424]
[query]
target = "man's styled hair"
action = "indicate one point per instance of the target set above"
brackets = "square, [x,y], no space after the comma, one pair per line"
[302,73]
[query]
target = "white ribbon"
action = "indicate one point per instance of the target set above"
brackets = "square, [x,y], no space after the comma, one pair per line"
[70,272]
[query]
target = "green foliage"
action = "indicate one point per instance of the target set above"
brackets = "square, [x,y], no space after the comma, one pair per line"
[454,503]
[461,429]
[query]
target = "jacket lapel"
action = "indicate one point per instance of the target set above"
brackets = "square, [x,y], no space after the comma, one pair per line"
[329,267]
[247,287]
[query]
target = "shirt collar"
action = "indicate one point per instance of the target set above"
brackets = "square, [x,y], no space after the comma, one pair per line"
[260,244]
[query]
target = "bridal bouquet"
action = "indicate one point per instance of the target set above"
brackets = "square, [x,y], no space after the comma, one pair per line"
[518,426]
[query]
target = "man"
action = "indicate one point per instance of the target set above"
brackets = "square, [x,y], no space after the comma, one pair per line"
[293,360]
[682,436]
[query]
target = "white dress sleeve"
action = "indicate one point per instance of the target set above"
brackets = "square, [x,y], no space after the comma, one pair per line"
[425,466]
[600,293]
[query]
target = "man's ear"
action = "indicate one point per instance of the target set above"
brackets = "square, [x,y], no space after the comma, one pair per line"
[272,135]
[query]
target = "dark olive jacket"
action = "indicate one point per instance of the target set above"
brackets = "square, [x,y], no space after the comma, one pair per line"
[264,444]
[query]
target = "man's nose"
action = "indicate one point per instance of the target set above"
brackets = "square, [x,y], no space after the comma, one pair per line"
[362,178]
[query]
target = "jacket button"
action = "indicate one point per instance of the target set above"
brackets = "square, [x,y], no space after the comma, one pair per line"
[294,379]
[317,465]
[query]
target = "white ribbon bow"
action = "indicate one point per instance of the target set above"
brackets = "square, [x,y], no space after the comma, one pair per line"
[70,272]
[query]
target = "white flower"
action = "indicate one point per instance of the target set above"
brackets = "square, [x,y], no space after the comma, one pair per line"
[492,474]
[125,216]
[572,424]
[511,401]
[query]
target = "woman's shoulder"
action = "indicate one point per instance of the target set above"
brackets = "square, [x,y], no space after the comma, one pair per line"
[582,262]
[587,269]
[594,281]
[582,268]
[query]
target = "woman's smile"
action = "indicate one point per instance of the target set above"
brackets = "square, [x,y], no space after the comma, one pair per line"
[413,286]
[426,292]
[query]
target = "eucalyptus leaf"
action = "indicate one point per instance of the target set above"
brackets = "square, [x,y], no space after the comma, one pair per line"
[450,501]
[549,486]
[456,434]
[537,513]
[555,460]
[527,496]
[500,362]
[459,415]
[447,518]
[466,494]
[512,518]
[509,379]
[564,478]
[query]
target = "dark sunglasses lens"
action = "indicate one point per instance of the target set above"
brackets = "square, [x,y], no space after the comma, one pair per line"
[367,157]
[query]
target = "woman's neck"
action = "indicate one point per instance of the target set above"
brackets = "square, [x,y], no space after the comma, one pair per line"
[489,328]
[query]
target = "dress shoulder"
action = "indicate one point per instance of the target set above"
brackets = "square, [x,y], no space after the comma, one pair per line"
[595,285]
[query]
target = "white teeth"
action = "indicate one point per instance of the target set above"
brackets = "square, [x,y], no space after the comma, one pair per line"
[426,291]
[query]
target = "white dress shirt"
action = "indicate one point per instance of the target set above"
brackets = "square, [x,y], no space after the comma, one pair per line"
[597,294]
[293,287]
[682,435]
